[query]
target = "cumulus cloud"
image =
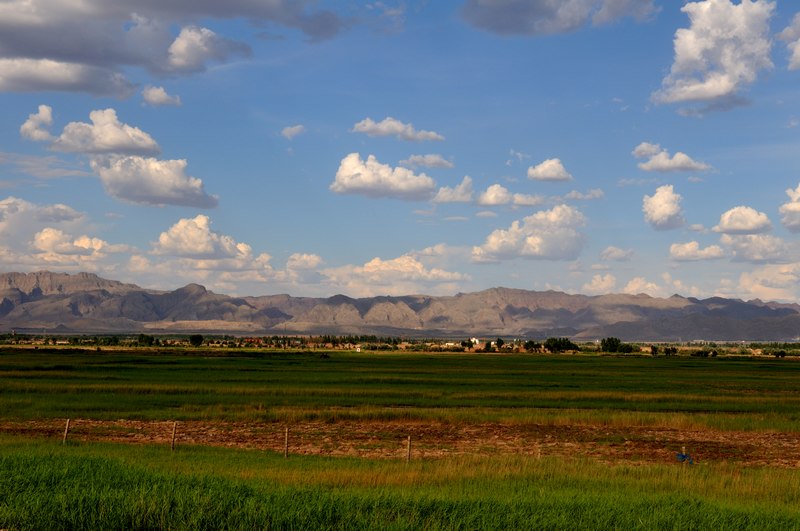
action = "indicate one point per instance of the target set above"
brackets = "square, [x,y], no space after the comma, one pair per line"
[106,134]
[432,160]
[600,284]
[497,194]
[398,276]
[691,251]
[615,254]
[150,181]
[659,159]
[373,179]
[35,236]
[158,96]
[544,17]
[302,262]
[291,131]
[19,219]
[37,126]
[743,220]
[721,52]
[791,210]
[778,282]
[549,170]
[638,285]
[755,247]
[195,46]
[461,193]
[86,46]
[662,210]
[392,127]
[791,36]
[193,238]
[54,242]
[548,234]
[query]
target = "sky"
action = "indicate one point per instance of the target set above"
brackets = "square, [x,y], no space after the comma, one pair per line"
[405,147]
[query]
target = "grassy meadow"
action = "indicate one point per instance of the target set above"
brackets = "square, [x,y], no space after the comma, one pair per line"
[94,485]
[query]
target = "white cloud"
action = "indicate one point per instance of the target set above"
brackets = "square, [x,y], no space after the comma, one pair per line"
[398,276]
[600,284]
[37,126]
[302,262]
[151,181]
[772,282]
[54,242]
[743,220]
[106,134]
[755,247]
[549,170]
[615,254]
[373,179]
[660,160]
[292,131]
[20,219]
[497,194]
[193,238]
[691,251]
[39,75]
[595,193]
[791,210]
[432,160]
[494,195]
[639,285]
[158,96]
[720,53]
[544,17]
[791,36]
[195,46]
[461,193]
[548,234]
[85,46]
[662,210]
[392,127]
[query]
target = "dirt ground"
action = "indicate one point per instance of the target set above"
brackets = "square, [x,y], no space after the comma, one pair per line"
[433,440]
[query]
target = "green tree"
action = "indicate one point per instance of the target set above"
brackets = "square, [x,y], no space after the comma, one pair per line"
[559,344]
[195,340]
[610,344]
[500,343]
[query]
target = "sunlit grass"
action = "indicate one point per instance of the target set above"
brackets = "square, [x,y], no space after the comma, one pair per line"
[88,486]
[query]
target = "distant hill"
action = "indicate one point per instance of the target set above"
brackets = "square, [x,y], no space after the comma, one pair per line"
[86,303]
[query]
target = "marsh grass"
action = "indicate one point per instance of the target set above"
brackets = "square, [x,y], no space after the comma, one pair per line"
[90,486]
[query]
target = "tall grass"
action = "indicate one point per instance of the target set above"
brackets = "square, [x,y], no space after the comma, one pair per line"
[93,486]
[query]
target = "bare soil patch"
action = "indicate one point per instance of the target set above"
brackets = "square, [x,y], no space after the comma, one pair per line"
[380,439]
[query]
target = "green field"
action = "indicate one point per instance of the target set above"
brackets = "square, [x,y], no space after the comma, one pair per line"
[90,484]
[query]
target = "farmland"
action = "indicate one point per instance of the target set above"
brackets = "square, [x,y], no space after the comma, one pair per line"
[497,440]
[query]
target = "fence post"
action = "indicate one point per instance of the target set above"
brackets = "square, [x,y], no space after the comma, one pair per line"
[174,429]
[66,431]
[408,449]
[286,443]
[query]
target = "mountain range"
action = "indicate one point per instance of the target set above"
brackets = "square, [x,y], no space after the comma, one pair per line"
[85,303]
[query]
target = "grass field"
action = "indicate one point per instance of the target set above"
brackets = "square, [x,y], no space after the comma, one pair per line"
[605,430]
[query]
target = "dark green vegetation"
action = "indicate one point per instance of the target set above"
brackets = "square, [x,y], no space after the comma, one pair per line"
[277,386]
[82,485]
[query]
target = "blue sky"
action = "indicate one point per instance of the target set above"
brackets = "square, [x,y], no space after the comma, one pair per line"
[399,147]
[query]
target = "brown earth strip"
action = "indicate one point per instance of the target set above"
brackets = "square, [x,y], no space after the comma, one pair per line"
[373,439]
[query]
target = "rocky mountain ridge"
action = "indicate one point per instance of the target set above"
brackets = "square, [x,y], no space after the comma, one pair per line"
[86,303]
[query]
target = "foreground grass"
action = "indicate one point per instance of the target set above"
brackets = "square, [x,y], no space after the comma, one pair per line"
[44,485]
[263,386]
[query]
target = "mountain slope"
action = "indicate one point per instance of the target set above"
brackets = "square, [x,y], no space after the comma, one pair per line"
[86,303]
